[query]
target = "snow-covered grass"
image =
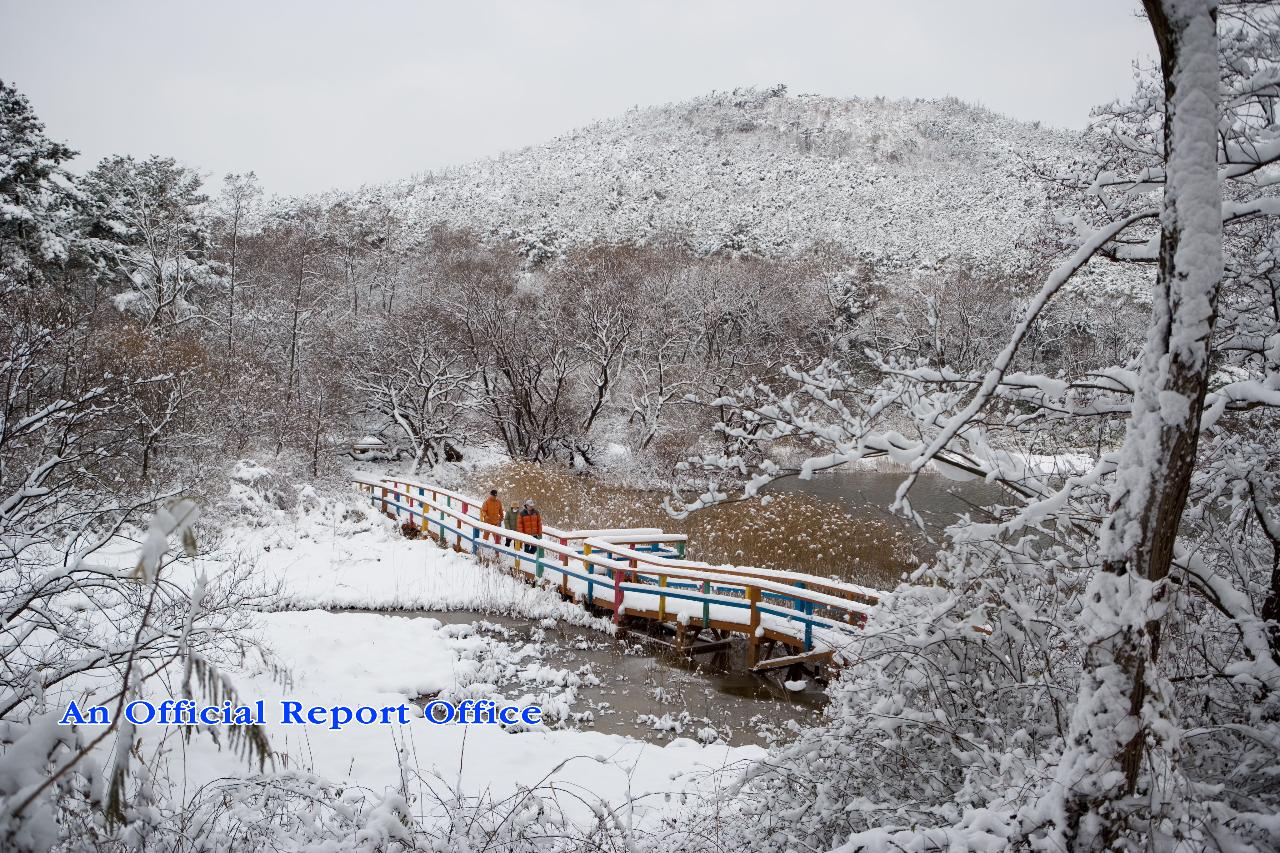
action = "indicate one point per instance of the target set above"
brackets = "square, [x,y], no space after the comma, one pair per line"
[337,554]
[347,556]
[356,659]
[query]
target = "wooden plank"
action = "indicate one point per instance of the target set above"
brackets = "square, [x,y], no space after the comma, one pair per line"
[710,647]
[649,639]
[690,650]
[792,660]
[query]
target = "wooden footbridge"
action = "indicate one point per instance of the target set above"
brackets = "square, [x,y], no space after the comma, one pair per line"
[642,575]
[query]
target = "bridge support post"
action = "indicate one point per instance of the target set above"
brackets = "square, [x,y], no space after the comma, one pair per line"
[618,577]
[753,627]
[806,608]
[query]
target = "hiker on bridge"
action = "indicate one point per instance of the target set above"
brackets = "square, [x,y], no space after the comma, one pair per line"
[491,513]
[530,524]
[511,520]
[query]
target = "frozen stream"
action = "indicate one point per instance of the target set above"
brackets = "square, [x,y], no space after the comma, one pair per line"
[588,680]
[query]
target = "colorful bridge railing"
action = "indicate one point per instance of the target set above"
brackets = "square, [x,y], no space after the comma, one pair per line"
[642,573]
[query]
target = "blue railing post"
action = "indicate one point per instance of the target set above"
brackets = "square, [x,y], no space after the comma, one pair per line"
[806,607]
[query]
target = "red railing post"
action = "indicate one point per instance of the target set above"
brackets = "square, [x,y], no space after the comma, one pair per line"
[753,626]
[617,597]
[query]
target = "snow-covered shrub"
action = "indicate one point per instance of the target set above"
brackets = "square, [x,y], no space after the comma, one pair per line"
[258,492]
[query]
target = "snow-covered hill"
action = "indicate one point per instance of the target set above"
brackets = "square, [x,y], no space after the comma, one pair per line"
[909,182]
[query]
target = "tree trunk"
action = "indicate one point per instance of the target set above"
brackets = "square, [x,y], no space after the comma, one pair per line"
[1116,728]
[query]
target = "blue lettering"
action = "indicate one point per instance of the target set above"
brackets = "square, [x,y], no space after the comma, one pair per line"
[289,712]
[372,715]
[341,716]
[139,703]
[447,707]
[210,716]
[73,717]
[316,716]
[509,715]
[532,715]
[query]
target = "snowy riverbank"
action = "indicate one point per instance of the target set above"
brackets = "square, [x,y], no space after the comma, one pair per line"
[335,554]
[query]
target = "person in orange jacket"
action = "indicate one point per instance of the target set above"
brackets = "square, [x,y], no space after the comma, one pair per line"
[491,513]
[529,522]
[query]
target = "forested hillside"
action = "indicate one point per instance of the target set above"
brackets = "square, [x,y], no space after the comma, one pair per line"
[903,184]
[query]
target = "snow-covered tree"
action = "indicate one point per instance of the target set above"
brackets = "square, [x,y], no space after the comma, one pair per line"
[152,211]
[238,214]
[40,208]
[1094,666]
[413,381]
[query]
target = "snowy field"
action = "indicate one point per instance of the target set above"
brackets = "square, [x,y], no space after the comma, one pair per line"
[339,555]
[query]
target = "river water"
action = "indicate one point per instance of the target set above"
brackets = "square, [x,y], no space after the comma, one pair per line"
[940,501]
[585,679]
[835,525]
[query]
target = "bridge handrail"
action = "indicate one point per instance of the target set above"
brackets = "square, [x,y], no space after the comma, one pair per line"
[856,592]
[471,502]
[662,565]
[649,534]
[548,542]
[678,569]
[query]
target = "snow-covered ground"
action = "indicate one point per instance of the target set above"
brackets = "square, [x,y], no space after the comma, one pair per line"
[361,659]
[337,554]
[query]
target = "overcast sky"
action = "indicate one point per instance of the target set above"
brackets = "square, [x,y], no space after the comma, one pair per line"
[318,94]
